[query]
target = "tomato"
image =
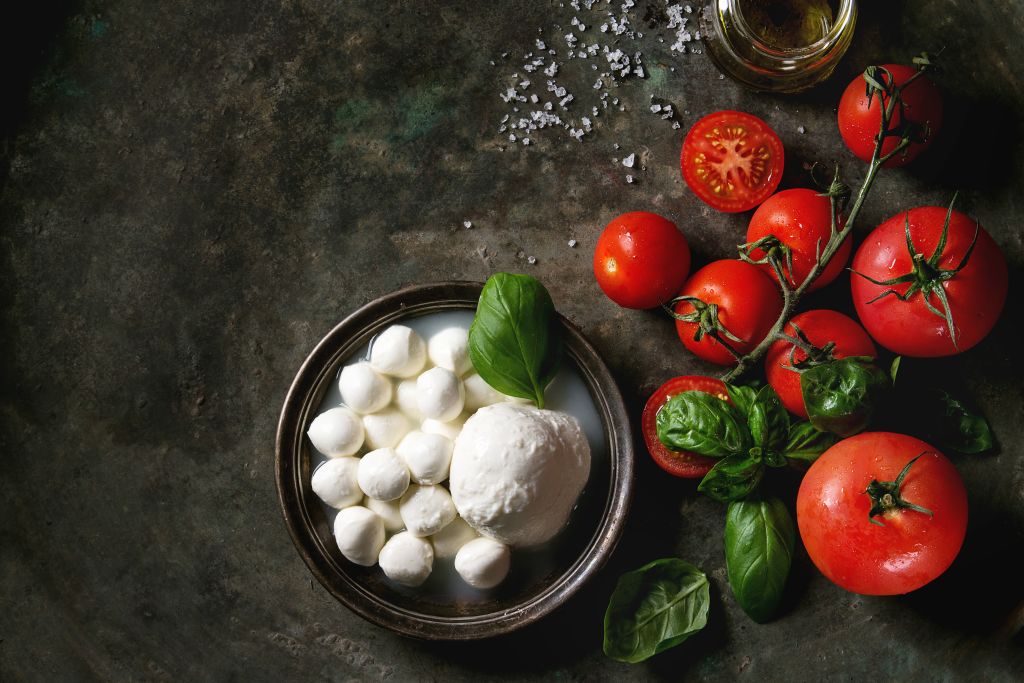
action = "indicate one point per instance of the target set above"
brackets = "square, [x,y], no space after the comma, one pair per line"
[802,220]
[641,260]
[976,293]
[905,548]
[859,120]
[748,304]
[732,161]
[820,327]
[678,463]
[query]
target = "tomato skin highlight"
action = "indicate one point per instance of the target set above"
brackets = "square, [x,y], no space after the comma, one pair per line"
[732,160]
[748,301]
[678,463]
[911,548]
[641,260]
[801,219]
[820,326]
[976,294]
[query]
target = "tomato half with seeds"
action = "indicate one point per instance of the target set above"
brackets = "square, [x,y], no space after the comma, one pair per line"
[678,463]
[732,160]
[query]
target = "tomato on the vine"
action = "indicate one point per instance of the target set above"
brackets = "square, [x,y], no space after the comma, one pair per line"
[934,274]
[678,463]
[641,260]
[801,220]
[732,160]
[871,531]
[820,327]
[737,303]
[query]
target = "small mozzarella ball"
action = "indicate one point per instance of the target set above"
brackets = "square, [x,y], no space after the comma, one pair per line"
[483,562]
[388,512]
[450,539]
[382,474]
[398,351]
[362,389]
[479,393]
[449,349]
[426,509]
[385,429]
[427,456]
[407,559]
[439,394]
[360,535]
[334,482]
[449,429]
[405,397]
[336,432]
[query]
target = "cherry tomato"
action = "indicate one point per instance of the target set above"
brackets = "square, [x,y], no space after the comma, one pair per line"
[678,463]
[732,161]
[802,220]
[820,327]
[975,294]
[748,304]
[641,260]
[905,548]
[859,121]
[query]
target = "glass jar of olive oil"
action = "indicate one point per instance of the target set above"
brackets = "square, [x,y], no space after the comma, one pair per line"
[777,45]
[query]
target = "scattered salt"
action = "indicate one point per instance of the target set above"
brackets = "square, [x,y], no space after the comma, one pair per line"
[467,224]
[629,161]
[572,243]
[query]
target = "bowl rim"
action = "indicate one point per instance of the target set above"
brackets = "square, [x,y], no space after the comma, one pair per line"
[338,344]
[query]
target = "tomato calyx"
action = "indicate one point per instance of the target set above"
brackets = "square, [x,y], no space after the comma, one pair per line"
[885,495]
[880,81]
[813,355]
[775,254]
[705,316]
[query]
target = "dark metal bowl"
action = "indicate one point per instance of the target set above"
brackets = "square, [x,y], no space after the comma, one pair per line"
[576,554]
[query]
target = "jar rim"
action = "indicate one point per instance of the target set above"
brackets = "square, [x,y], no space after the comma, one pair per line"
[847,10]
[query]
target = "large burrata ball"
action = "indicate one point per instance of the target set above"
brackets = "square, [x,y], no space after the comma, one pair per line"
[407,559]
[483,562]
[335,483]
[362,389]
[516,472]
[398,351]
[336,432]
[449,349]
[359,533]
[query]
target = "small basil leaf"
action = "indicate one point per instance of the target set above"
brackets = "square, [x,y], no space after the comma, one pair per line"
[732,478]
[773,459]
[840,395]
[966,431]
[701,423]
[759,540]
[768,420]
[894,369]
[806,442]
[515,341]
[742,397]
[654,608]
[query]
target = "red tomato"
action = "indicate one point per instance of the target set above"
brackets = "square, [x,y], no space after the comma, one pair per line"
[976,293]
[820,327]
[859,121]
[911,548]
[748,303]
[732,161]
[678,463]
[641,260]
[802,220]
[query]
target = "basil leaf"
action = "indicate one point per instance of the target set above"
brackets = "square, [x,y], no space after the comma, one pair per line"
[768,420]
[773,459]
[840,395]
[701,423]
[806,442]
[742,397]
[654,608]
[732,478]
[965,431]
[515,342]
[759,540]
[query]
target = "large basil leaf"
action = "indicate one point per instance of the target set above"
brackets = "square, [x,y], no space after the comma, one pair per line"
[841,395]
[806,442]
[732,478]
[515,342]
[742,397]
[654,608]
[759,540]
[701,423]
[768,420]
[964,430]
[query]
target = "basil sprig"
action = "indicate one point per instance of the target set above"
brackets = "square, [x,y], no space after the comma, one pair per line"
[759,540]
[841,395]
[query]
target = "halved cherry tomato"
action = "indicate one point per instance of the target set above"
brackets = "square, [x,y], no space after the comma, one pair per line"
[732,161]
[678,463]
[641,260]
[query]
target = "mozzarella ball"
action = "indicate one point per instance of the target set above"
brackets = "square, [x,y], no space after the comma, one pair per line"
[450,429]
[405,397]
[336,432]
[382,474]
[407,559]
[398,351]
[426,509]
[427,456]
[449,349]
[439,394]
[450,539]
[362,389]
[334,482]
[479,393]
[385,429]
[388,512]
[483,562]
[360,535]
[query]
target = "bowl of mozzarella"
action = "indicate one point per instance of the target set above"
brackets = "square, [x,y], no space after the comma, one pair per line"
[431,503]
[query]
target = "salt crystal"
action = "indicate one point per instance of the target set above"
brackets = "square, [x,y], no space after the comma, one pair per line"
[534,98]
[629,179]
[655,108]
[531,260]
[572,243]
[801,130]
[629,161]
[526,141]
[467,224]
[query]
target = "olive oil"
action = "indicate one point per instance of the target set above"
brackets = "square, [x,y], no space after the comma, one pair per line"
[788,24]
